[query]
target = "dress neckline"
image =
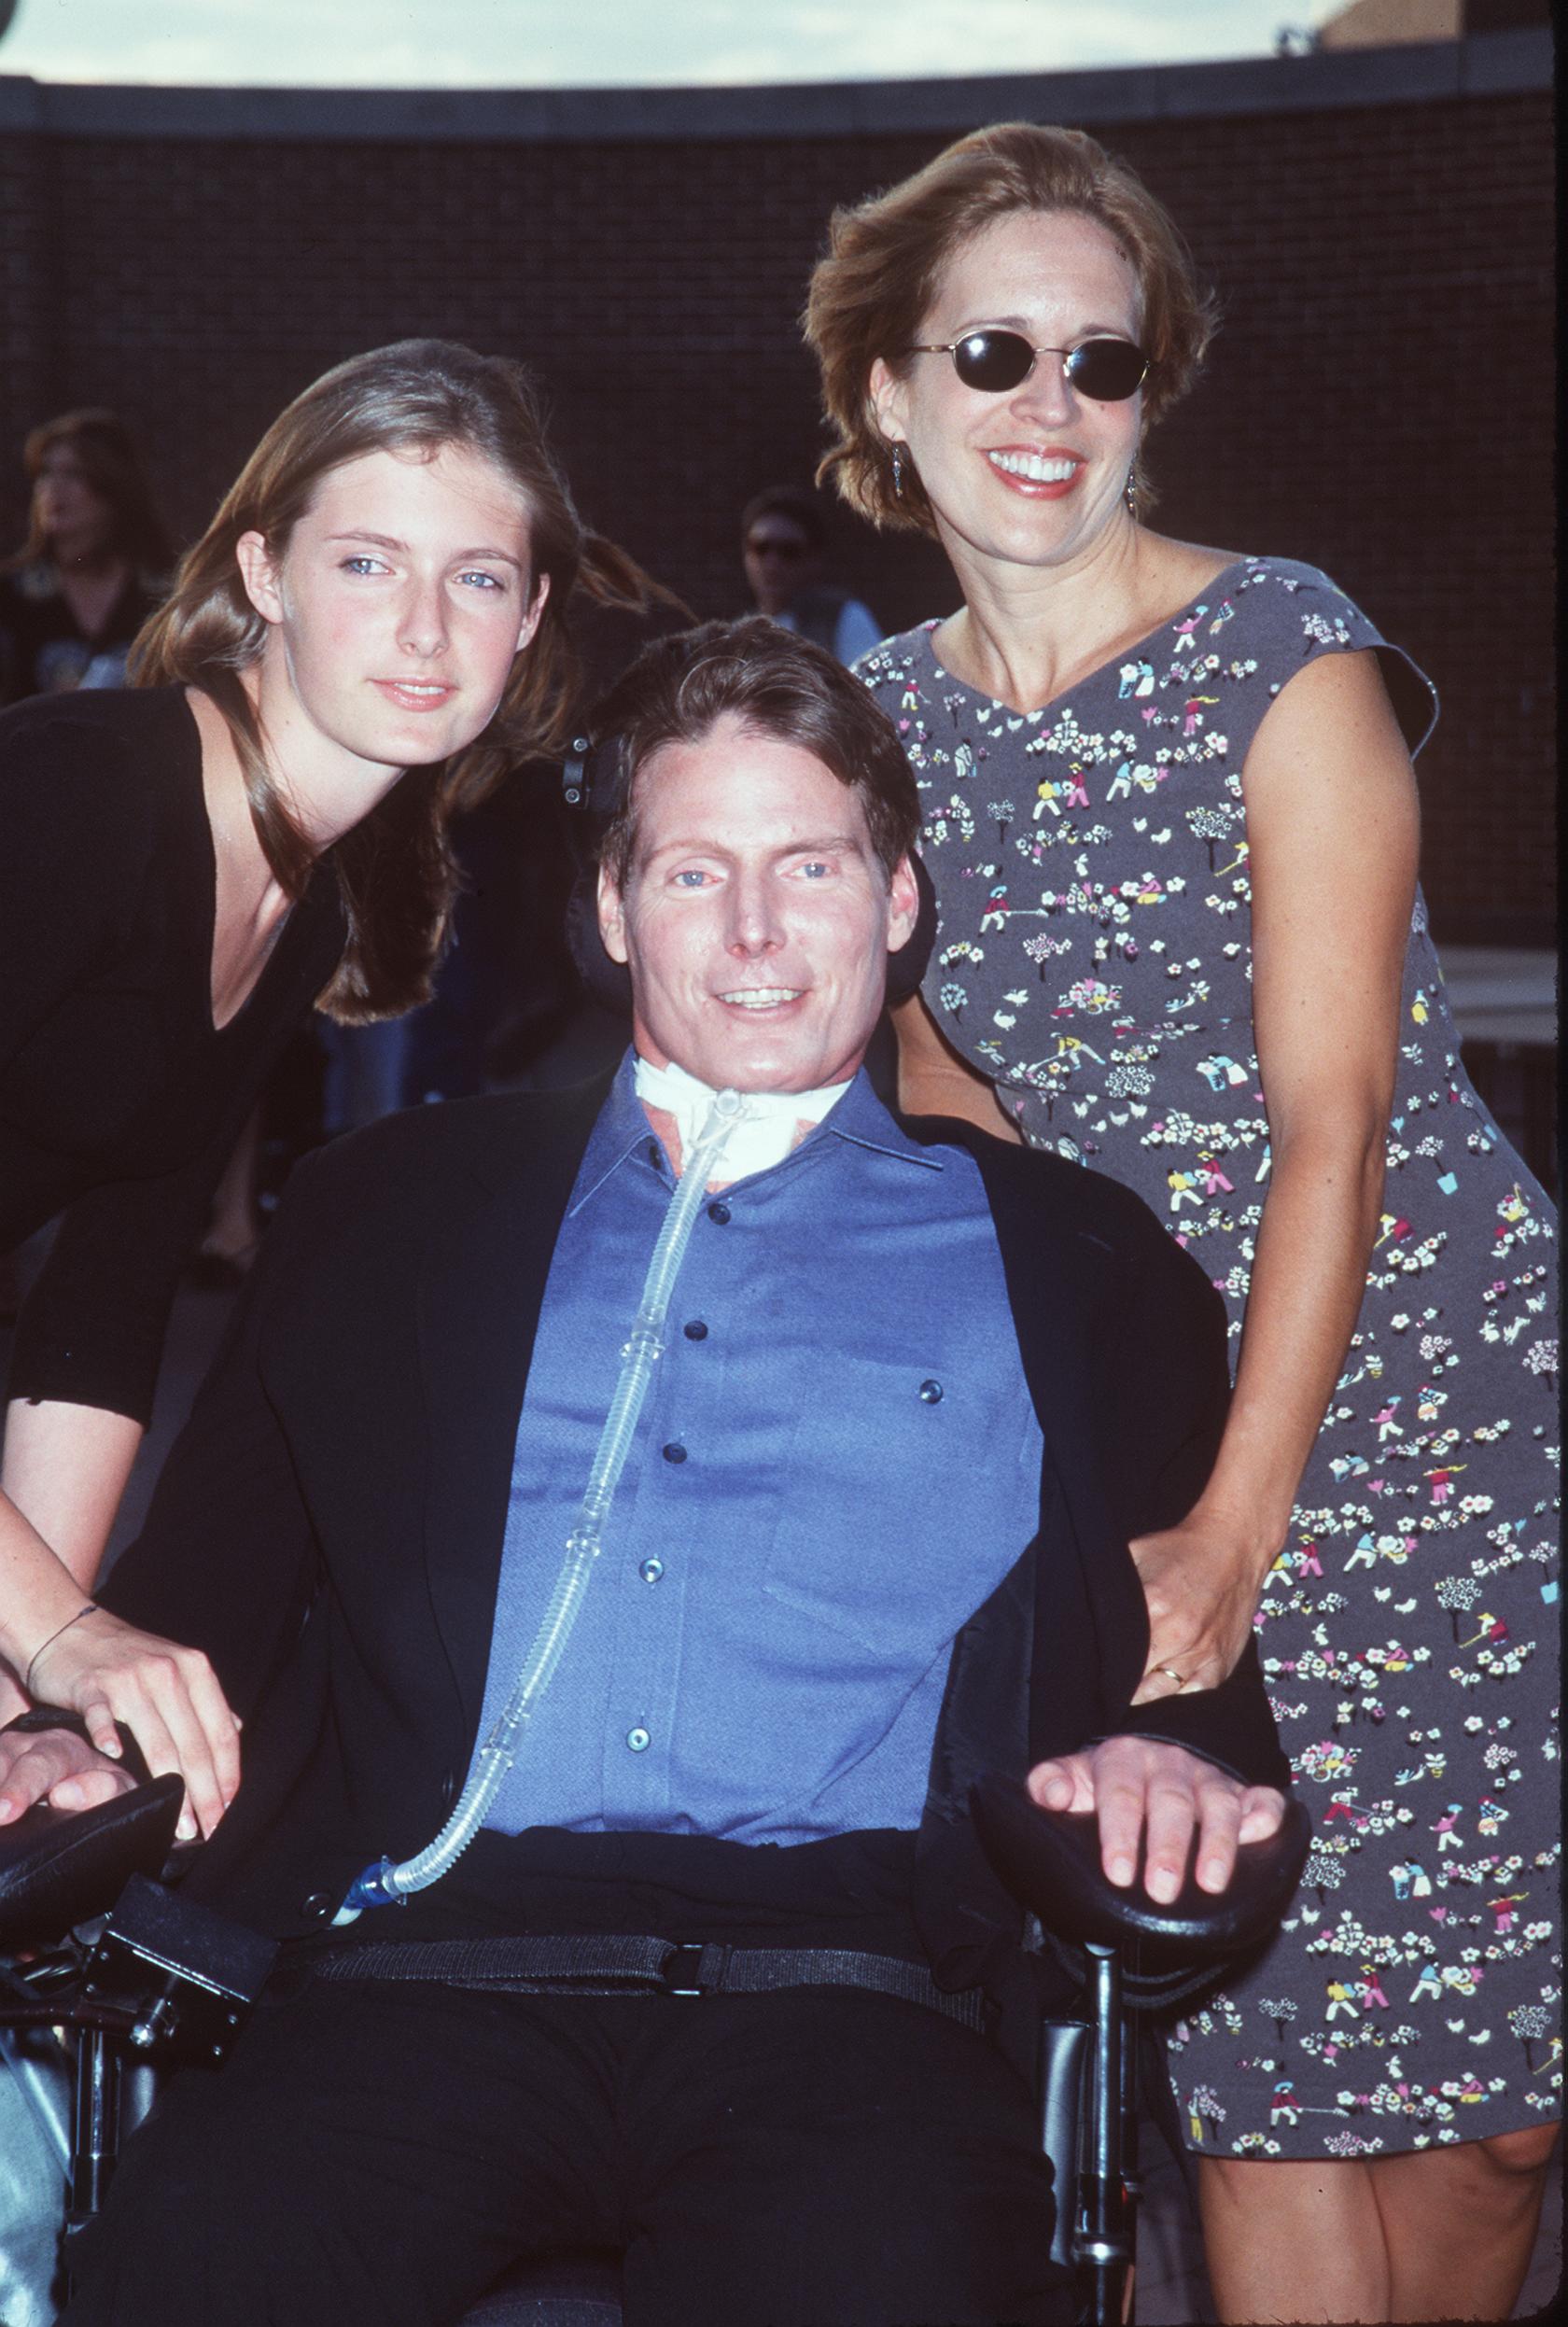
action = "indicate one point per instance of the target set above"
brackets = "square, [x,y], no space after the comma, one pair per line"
[207,930]
[999,703]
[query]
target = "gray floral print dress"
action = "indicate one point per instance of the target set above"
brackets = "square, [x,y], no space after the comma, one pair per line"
[1094,959]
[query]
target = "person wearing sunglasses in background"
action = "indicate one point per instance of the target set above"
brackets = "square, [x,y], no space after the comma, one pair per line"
[1169,813]
[784,543]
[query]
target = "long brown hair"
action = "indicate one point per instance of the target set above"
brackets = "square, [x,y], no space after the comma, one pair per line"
[396,872]
[886,256]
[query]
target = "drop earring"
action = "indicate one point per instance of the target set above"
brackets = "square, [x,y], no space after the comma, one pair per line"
[898,472]
[1131,491]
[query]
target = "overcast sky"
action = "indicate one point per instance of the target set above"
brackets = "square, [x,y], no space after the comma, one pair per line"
[573,43]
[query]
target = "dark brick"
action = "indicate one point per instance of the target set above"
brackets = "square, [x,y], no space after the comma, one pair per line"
[1379,401]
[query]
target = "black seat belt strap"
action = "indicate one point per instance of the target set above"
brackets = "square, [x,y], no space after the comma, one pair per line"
[594,1965]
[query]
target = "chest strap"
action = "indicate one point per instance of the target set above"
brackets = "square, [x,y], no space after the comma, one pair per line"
[598,1965]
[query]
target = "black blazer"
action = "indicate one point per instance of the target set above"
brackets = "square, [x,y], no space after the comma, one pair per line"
[329,1526]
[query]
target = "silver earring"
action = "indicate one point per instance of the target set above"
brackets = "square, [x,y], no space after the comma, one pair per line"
[1131,495]
[898,472]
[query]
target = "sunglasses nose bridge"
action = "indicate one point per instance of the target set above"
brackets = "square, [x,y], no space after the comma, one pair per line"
[1048,380]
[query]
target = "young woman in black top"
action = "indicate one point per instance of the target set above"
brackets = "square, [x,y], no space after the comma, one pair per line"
[370,632]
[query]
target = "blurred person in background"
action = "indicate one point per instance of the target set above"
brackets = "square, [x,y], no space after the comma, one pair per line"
[784,545]
[370,634]
[95,562]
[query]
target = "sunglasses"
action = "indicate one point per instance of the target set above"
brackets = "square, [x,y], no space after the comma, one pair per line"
[772,545]
[993,361]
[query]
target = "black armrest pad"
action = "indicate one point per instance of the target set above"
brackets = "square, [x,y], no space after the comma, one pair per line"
[58,1867]
[1050,1861]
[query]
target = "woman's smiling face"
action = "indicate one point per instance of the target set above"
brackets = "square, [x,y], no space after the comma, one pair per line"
[1032,475]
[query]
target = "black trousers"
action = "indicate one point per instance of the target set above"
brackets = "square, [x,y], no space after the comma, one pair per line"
[382,2152]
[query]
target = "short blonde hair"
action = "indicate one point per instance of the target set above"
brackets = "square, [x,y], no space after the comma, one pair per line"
[871,291]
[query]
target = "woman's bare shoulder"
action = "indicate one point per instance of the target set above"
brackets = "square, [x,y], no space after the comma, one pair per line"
[1180,570]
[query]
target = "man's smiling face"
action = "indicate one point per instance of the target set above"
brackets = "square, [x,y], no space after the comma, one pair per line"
[756,920]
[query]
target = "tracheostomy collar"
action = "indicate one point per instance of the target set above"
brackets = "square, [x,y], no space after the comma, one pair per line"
[766,1133]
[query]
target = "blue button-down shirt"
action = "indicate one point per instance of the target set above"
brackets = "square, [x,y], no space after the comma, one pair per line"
[837,1462]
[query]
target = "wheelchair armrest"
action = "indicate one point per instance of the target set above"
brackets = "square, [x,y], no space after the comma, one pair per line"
[1049,1859]
[58,1867]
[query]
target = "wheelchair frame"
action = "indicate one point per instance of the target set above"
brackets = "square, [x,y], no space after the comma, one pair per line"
[167,1980]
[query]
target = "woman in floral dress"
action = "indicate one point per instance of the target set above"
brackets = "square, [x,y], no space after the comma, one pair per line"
[1171,819]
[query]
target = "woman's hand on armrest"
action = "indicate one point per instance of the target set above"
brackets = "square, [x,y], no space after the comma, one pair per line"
[1135,1784]
[168,1696]
[56,1766]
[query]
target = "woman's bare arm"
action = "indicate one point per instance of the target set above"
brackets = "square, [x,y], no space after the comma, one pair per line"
[1333,827]
[65,1471]
[61,1487]
[933,1079]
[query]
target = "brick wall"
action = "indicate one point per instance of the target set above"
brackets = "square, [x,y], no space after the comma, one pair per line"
[1380,401]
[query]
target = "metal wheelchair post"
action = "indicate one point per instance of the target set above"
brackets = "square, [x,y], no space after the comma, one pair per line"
[96,2128]
[1131,2098]
[1104,2242]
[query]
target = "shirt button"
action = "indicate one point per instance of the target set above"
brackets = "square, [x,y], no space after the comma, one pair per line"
[931,1393]
[719,1213]
[675,1452]
[696,1330]
[651,1571]
[639,1740]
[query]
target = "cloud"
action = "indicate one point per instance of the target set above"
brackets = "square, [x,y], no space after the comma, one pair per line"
[539,43]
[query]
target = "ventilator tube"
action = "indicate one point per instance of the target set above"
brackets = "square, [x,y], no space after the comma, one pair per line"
[385,1882]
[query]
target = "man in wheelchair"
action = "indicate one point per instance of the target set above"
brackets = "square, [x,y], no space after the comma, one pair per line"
[682,1707]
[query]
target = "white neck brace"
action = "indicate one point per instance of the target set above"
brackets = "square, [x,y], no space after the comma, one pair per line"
[764,1134]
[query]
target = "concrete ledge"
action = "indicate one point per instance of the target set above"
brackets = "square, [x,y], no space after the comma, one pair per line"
[1487,65]
[1500,995]
[1503,64]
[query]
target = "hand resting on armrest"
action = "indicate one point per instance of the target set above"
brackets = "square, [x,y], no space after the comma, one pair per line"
[74,1824]
[1145,1786]
[57,1767]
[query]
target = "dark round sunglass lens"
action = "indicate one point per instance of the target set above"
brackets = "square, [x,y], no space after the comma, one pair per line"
[1109,371]
[993,360]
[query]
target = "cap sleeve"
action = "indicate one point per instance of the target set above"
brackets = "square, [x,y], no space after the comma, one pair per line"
[1317,613]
